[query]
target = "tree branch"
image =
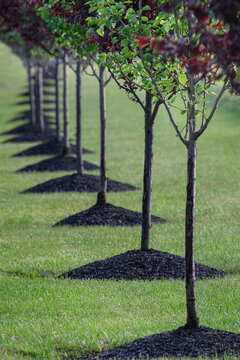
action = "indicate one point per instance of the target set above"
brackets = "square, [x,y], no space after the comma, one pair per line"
[184,141]
[155,110]
[127,90]
[203,128]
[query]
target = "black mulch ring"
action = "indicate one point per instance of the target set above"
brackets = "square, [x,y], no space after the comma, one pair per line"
[29,137]
[74,182]
[205,342]
[52,147]
[24,117]
[58,163]
[27,93]
[23,129]
[140,265]
[25,102]
[106,215]
[49,110]
[19,118]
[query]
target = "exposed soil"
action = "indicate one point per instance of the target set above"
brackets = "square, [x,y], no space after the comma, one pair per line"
[24,128]
[52,147]
[27,93]
[58,163]
[49,110]
[205,342]
[24,117]
[21,129]
[140,265]
[24,102]
[74,182]
[106,215]
[32,136]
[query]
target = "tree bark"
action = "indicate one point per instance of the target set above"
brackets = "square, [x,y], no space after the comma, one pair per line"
[80,168]
[147,176]
[192,316]
[66,147]
[40,99]
[36,96]
[101,200]
[32,94]
[57,102]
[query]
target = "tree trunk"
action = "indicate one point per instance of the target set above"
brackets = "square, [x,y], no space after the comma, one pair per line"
[36,96]
[79,119]
[40,99]
[66,147]
[147,177]
[101,200]
[57,106]
[192,316]
[32,94]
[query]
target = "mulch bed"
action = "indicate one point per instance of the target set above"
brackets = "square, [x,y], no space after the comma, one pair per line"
[27,93]
[32,136]
[106,215]
[140,265]
[205,342]
[49,110]
[23,117]
[19,118]
[58,163]
[74,182]
[23,129]
[52,147]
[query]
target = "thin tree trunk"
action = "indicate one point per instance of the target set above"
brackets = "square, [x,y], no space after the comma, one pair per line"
[36,96]
[32,94]
[147,177]
[66,147]
[101,200]
[40,99]
[57,106]
[192,316]
[80,168]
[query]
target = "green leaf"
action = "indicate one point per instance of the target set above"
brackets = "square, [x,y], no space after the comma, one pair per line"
[100,31]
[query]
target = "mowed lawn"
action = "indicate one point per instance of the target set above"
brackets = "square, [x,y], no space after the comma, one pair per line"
[45,318]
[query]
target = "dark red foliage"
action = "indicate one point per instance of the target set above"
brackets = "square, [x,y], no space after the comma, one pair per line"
[15,15]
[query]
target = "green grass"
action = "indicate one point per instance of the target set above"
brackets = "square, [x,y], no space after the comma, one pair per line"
[45,318]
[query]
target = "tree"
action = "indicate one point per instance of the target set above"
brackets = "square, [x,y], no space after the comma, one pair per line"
[20,25]
[118,43]
[174,56]
[75,33]
[198,71]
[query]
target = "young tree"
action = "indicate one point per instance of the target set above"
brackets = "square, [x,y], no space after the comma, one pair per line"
[75,33]
[117,38]
[197,71]
[174,56]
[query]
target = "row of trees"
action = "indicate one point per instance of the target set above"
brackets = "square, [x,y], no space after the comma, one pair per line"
[166,50]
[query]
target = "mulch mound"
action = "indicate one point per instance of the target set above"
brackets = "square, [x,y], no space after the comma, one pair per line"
[32,136]
[58,163]
[49,110]
[106,215]
[182,342]
[21,129]
[74,182]
[52,147]
[140,265]
[27,93]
